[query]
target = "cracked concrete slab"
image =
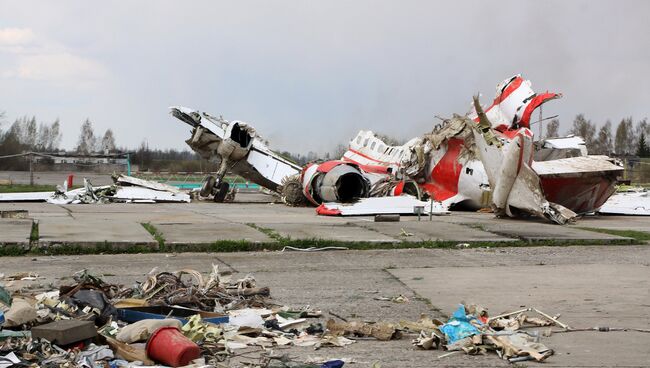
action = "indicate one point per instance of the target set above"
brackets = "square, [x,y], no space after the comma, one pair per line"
[538,231]
[204,233]
[426,230]
[15,232]
[91,232]
[586,296]
[338,232]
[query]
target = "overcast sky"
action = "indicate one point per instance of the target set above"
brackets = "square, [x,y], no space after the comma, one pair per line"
[310,74]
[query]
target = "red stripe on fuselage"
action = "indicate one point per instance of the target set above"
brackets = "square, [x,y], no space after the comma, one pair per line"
[446,173]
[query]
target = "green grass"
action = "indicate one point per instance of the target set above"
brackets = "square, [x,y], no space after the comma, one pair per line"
[279,242]
[18,188]
[33,235]
[639,236]
[156,234]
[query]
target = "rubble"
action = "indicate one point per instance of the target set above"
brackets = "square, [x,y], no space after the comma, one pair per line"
[486,158]
[126,189]
[215,319]
[92,323]
[634,201]
[471,331]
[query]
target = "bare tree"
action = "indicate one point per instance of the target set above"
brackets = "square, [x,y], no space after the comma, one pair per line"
[624,140]
[585,129]
[642,127]
[30,132]
[603,144]
[108,142]
[87,141]
[553,128]
[55,136]
[339,151]
[43,137]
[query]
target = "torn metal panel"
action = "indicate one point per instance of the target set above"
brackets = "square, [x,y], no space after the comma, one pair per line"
[125,180]
[582,184]
[403,205]
[443,164]
[136,190]
[558,148]
[147,195]
[578,166]
[25,197]
[628,203]
[514,104]
[515,185]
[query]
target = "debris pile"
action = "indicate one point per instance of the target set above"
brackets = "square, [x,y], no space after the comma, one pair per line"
[472,331]
[183,318]
[125,189]
[171,318]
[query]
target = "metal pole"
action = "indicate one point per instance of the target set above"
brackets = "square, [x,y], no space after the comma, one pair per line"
[128,164]
[31,169]
[541,128]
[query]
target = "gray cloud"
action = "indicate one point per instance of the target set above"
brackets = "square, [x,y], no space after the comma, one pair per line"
[310,74]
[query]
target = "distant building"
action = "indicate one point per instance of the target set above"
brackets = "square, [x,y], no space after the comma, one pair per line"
[72,161]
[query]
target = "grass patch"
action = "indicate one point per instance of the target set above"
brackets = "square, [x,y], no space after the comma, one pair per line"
[269,232]
[279,242]
[18,188]
[33,234]
[639,236]
[156,234]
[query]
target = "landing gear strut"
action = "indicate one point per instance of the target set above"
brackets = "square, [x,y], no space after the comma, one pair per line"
[220,191]
[214,186]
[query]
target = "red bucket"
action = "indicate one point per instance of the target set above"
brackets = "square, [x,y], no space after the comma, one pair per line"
[168,345]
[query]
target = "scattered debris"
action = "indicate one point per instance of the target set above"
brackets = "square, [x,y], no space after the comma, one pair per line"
[188,318]
[126,189]
[404,204]
[635,201]
[173,318]
[471,331]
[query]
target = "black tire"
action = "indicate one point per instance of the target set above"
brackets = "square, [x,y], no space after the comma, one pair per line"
[221,192]
[207,186]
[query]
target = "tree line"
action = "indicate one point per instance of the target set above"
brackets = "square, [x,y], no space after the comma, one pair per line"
[26,134]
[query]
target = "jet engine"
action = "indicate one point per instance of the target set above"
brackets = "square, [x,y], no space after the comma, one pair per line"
[334,181]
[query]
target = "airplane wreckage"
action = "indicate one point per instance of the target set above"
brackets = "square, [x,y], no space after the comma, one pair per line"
[487,158]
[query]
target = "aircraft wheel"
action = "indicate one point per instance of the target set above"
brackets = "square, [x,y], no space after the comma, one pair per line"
[206,187]
[221,192]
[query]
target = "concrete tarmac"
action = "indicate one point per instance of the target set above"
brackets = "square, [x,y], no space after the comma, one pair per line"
[588,285]
[254,215]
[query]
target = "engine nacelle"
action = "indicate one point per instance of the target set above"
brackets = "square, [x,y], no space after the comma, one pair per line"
[334,181]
